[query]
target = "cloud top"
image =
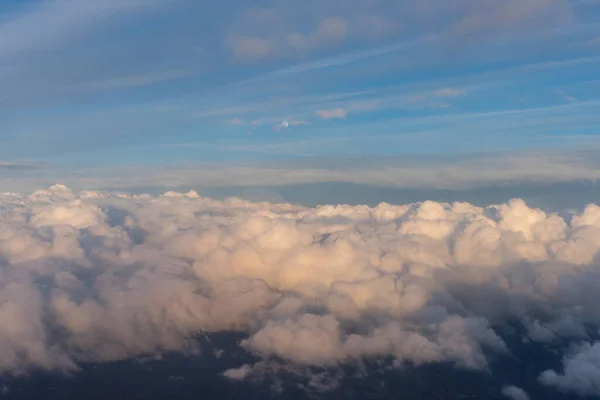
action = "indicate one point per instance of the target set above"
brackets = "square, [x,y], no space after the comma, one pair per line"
[514,393]
[93,276]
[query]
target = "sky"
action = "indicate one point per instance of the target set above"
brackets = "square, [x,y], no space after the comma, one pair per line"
[89,87]
[335,141]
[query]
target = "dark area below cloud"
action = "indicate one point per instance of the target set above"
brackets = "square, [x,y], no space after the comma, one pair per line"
[176,376]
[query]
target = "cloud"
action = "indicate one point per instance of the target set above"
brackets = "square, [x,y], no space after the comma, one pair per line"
[299,123]
[421,172]
[238,374]
[98,277]
[132,81]
[581,371]
[295,31]
[374,26]
[283,125]
[330,30]
[494,19]
[289,124]
[592,42]
[56,21]
[248,48]
[367,105]
[53,63]
[332,113]
[433,99]
[570,99]
[327,32]
[236,121]
[17,166]
[449,92]
[514,393]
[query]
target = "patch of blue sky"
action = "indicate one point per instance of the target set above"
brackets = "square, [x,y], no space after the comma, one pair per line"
[169,82]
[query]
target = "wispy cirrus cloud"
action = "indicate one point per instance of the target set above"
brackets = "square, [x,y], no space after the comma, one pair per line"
[299,123]
[292,30]
[449,92]
[465,172]
[59,21]
[280,30]
[334,113]
[131,81]
[86,82]
[18,166]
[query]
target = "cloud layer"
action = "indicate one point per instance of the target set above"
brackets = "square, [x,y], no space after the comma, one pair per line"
[94,276]
[395,172]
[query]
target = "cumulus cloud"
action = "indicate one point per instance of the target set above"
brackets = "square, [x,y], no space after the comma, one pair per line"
[581,371]
[238,374]
[332,113]
[514,393]
[94,277]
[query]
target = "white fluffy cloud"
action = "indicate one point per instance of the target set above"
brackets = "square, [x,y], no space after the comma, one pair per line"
[93,276]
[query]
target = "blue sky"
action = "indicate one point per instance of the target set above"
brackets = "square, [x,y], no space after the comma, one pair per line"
[170,83]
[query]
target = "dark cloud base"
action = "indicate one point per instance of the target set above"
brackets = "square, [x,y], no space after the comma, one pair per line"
[179,376]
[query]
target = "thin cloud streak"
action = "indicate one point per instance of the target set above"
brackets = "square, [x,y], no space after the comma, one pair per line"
[421,172]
